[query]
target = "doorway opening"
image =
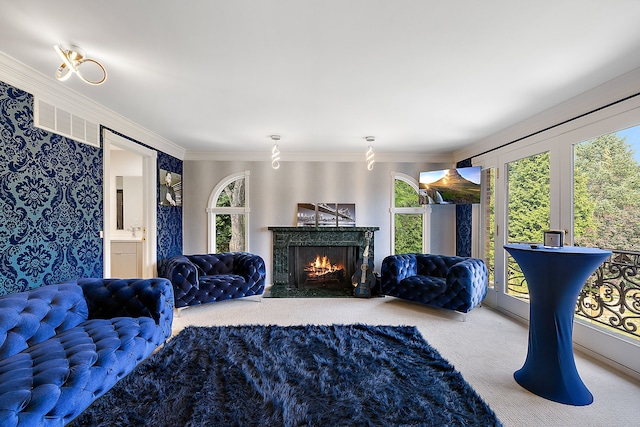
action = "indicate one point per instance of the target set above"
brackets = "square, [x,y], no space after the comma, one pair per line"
[129,229]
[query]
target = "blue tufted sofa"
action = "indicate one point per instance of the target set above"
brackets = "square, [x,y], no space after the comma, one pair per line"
[200,279]
[63,346]
[455,283]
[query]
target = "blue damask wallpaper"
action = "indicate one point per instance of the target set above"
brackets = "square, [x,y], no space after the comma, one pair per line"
[463,222]
[169,217]
[50,201]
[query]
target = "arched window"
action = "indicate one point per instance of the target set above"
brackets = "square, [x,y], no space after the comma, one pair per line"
[409,219]
[228,214]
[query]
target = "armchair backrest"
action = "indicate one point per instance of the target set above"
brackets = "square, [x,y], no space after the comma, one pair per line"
[209,264]
[435,265]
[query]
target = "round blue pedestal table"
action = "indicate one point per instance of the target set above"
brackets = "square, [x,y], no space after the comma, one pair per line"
[555,277]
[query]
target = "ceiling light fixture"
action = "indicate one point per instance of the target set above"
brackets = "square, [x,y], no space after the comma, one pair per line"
[369,155]
[275,152]
[72,58]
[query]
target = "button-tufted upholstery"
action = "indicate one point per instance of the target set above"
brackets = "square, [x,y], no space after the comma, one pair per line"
[455,283]
[200,279]
[63,346]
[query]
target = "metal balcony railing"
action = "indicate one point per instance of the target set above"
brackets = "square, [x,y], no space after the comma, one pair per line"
[610,297]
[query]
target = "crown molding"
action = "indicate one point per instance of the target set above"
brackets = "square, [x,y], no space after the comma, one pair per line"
[609,92]
[19,75]
[380,157]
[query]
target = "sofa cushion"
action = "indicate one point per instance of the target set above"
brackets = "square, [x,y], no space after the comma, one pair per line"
[58,378]
[31,317]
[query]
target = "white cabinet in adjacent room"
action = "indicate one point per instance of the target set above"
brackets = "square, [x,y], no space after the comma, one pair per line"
[126,259]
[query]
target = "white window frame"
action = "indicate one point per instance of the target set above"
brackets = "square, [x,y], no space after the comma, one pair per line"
[424,210]
[213,210]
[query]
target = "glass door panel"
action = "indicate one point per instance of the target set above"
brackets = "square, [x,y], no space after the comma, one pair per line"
[606,214]
[528,212]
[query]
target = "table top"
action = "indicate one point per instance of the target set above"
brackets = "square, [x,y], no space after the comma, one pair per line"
[573,250]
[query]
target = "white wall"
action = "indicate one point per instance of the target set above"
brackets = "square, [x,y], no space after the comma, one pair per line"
[274,196]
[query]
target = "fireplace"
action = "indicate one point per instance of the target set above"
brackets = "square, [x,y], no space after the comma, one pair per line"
[322,266]
[344,245]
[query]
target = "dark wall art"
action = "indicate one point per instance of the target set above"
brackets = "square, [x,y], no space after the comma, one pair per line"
[326,215]
[170,188]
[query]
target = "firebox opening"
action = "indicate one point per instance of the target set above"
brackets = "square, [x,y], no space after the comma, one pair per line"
[321,266]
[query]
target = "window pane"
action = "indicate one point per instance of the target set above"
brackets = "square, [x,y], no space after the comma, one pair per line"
[607,191]
[232,195]
[230,232]
[529,198]
[528,211]
[408,232]
[405,195]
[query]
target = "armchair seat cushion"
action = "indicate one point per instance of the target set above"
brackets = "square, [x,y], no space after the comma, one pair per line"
[220,287]
[430,286]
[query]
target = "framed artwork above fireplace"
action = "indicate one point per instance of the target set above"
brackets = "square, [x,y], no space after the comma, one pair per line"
[326,215]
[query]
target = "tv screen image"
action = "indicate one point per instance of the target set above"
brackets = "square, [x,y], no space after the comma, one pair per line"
[456,186]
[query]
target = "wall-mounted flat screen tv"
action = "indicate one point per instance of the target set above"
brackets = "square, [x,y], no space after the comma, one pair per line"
[457,186]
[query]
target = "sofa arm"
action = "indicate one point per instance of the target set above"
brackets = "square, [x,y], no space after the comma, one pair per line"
[472,274]
[252,268]
[395,268]
[109,298]
[183,275]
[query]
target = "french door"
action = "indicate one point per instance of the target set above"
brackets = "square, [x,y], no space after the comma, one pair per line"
[523,210]
[552,183]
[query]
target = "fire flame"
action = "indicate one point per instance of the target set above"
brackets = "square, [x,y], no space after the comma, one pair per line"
[321,265]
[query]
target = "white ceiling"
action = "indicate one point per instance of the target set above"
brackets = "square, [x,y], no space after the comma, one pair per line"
[421,76]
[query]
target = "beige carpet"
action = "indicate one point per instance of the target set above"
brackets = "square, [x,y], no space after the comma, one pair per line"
[486,348]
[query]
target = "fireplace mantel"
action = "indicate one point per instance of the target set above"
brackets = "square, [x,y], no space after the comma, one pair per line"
[284,237]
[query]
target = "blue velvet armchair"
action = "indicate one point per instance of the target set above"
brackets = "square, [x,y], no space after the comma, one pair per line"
[201,279]
[454,283]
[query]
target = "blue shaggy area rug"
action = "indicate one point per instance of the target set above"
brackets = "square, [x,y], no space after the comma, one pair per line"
[335,375]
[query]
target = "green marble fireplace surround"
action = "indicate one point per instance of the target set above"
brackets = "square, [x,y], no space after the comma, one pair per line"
[286,237]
